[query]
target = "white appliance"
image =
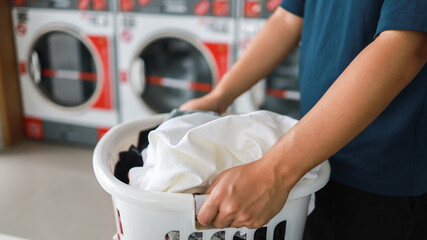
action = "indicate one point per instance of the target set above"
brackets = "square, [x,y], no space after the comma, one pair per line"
[170,51]
[278,92]
[65,50]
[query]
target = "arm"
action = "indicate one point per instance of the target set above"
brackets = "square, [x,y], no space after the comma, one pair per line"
[279,36]
[357,97]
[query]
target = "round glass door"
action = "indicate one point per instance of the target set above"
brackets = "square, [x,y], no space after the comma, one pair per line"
[282,87]
[63,69]
[174,71]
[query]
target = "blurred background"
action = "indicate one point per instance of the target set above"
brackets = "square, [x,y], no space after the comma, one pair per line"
[72,69]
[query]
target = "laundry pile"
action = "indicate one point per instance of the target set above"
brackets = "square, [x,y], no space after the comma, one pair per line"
[188,151]
[134,156]
[185,154]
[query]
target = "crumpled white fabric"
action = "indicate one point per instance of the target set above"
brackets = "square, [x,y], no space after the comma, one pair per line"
[185,154]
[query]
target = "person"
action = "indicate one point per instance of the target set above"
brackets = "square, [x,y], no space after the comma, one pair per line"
[363,84]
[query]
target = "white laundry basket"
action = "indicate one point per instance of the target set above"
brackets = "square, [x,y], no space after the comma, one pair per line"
[145,215]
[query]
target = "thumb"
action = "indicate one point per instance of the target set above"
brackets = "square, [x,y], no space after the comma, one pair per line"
[208,211]
[210,207]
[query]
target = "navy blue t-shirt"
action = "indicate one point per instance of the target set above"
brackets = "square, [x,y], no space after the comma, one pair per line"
[390,156]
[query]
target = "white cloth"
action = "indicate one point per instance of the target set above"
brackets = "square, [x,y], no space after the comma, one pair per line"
[185,154]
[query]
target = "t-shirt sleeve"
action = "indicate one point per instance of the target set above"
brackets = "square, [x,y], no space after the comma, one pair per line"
[294,6]
[402,15]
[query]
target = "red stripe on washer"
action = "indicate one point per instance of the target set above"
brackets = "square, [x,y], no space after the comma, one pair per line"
[202,87]
[84,76]
[48,73]
[155,80]
[88,76]
[276,93]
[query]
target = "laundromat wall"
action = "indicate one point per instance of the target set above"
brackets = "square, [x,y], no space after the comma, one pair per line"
[86,65]
[1,133]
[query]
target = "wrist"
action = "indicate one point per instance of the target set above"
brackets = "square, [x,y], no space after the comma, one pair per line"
[223,94]
[286,163]
[287,174]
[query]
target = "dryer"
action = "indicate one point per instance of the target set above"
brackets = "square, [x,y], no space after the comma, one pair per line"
[170,51]
[278,92]
[65,54]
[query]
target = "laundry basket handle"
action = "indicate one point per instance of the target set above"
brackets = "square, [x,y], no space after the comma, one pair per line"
[199,199]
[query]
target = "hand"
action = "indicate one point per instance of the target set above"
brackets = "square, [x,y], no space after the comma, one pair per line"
[209,102]
[248,195]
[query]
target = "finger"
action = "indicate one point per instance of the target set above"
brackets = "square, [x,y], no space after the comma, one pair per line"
[186,106]
[259,221]
[237,224]
[226,215]
[243,219]
[208,211]
[223,220]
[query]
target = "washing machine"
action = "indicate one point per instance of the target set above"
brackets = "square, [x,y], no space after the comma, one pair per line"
[278,92]
[170,51]
[65,50]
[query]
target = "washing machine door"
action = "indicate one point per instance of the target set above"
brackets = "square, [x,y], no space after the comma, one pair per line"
[63,69]
[282,88]
[170,71]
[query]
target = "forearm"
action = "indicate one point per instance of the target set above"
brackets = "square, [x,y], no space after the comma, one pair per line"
[358,96]
[279,36]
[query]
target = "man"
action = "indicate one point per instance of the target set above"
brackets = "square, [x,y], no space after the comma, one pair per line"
[363,85]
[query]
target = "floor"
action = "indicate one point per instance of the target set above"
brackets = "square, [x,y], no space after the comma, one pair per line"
[48,192]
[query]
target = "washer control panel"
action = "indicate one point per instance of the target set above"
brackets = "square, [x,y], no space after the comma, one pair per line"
[219,8]
[90,5]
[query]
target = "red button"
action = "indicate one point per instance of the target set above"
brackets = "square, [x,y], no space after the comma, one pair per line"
[83,4]
[22,67]
[143,3]
[221,8]
[126,35]
[21,28]
[126,5]
[202,8]
[33,128]
[123,76]
[19,2]
[99,5]
[273,4]
[253,9]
